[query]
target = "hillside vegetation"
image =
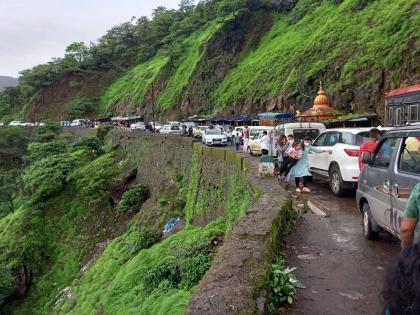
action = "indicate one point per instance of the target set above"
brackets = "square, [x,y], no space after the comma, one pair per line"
[232,56]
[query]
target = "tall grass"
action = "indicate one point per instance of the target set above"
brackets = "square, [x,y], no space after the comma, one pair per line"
[343,44]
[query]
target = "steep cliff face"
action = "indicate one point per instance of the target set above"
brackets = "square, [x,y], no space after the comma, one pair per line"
[265,59]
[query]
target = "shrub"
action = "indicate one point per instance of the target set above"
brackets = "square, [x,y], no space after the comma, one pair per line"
[95,180]
[282,284]
[39,151]
[140,239]
[6,283]
[46,178]
[92,145]
[133,199]
[47,133]
[80,107]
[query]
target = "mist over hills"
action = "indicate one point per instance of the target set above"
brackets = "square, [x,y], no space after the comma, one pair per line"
[6,81]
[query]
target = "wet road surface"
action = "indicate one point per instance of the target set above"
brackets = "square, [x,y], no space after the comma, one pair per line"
[342,271]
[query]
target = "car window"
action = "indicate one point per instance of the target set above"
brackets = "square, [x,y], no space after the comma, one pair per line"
[410,156]
[383,154]
[321,140]
[300,133]
[331,140]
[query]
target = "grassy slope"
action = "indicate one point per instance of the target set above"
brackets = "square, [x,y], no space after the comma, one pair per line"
[115,283]
[328,36]
[132,87]
[192,52]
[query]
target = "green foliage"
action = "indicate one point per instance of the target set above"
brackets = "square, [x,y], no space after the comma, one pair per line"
[117,284]
[282,284]
[314,40]
[81,107]
[9,103]
[38,151]
[46,178]
[9,188]
[92,146]
[191,52]
[6,283]
[48,132]
[132,87]
[133,199]
[96,179]
[13,145]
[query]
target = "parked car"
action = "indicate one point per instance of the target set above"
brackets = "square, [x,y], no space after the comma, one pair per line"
[138,126]
[77,122]
[341,166]
[17,123]
[214,137]
[300,130]
[65,123]
[385,184]
[168,129]
[158,126]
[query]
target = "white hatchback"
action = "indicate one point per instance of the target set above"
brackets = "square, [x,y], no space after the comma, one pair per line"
[341,166]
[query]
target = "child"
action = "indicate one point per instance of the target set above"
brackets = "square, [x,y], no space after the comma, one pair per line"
[301,169]
[293,155]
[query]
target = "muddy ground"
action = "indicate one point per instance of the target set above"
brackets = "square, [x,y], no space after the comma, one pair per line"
[342,271]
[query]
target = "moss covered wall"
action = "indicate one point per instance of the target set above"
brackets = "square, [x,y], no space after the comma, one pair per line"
[217,179]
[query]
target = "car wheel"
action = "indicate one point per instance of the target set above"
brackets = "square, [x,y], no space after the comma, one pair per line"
[249,151]
[370,234]
[336,181]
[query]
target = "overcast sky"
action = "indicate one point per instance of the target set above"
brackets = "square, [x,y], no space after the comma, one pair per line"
[34,31]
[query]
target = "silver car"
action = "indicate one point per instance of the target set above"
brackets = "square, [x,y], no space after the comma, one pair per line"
[385,184]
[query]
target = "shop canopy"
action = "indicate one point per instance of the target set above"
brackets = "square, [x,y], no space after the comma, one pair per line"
[277,116]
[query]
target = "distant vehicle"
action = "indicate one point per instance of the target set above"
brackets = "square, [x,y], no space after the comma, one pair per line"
[1,123]
[78,122]
[138,126]
[17,123]
[190,124]
[300,130]
[168,129]
[254,130]
[214,137]
[158,126]
[64,123]
[341,166]
[385,184]
[174,123]
[402,106]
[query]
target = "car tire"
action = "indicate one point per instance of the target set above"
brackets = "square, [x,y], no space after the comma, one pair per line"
[370,234]
[336,181]
[249,151]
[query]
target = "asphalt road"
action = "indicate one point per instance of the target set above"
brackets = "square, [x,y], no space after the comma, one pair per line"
[342,271]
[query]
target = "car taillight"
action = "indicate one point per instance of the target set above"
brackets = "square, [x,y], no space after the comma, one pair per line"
[352,152]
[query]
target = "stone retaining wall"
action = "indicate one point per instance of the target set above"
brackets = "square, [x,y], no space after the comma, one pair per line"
[237,281]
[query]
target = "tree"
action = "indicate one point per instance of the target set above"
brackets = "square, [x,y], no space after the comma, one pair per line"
[46,178]
[38,150]
[80,107]
[9,188]
[77,51]
[13,144]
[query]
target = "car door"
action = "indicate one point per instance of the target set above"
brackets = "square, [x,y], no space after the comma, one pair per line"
[377,182]
[329,144]
[314,158]
[405,176]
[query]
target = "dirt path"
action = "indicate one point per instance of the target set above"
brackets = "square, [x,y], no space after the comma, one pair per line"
[342,271]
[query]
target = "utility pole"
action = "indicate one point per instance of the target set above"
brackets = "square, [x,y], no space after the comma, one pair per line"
[153,105]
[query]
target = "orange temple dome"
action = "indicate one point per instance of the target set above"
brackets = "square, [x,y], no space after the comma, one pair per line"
[321,99]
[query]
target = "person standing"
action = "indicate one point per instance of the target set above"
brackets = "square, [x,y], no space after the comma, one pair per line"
[236,135]
[245,138]
[368,146]
[411,217]
[265,143]
[281,147]
[301,171]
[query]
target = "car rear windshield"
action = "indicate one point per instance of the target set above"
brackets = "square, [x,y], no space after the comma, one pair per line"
[301,134]
[174,127]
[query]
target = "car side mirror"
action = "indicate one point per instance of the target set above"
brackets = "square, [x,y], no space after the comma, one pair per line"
[367,158]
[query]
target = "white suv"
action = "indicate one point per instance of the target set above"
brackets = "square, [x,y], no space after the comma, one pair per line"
[341,166]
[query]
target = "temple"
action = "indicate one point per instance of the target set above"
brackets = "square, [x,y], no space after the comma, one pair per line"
[321,110]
